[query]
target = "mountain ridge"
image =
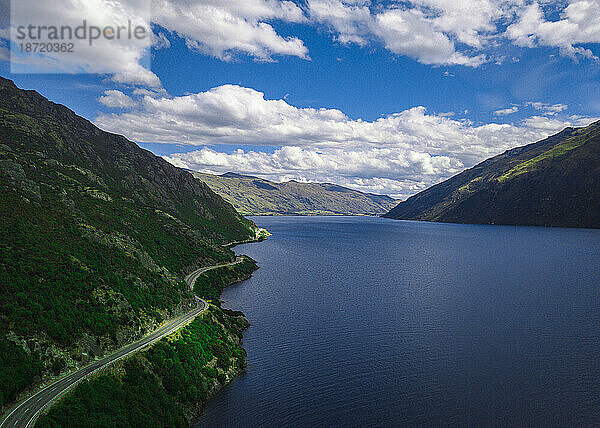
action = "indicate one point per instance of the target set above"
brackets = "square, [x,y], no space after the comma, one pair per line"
[257,196]
[97,236]
[553,182]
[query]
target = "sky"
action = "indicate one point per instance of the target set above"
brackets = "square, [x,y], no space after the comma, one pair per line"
[387,97]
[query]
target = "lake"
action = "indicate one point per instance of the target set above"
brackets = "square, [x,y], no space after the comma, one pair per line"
[377,322]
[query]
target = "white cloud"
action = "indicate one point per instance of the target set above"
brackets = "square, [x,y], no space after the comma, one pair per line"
[145,92]
[442,32]
[548,109]
[123,58]
[414,32]
[387,170]
[223,28]
[551,125]
[410,148]
[380,162]
[471,22]
[232,114]
[579,23]
[411,33]
[506,111]
[436,32]
[213,27]
[350,20]
[116,99]
[545,108]
[396,172]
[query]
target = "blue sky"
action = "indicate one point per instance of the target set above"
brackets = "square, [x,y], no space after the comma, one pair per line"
[389,97]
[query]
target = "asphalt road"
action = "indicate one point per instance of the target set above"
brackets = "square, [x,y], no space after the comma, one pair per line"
[25,413]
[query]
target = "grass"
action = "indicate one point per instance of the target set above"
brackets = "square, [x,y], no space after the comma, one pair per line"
[532,164]
[467,187]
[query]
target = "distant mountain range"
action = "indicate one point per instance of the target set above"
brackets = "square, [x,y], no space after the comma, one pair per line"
[256,196]
[554,182]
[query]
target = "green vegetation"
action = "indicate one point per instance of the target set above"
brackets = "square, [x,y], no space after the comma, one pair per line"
[131,398]
[18,370]
[162,386]
[256,196]
[97,236]
[554,182]
[57,283]
[536,162]
[190,361]
[469,186]
[211,283]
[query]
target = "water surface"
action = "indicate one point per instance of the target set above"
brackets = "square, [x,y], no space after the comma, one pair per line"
[368,321]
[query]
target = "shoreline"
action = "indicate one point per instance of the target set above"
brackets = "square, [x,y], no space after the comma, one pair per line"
[64,385]
[198,413]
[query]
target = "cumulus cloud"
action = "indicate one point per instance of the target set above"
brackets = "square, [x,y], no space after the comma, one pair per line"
[436,32]
[550,125]
[386,163]
[232,114]
[214,27]
[545,108]
[417,32]
[579,23]
[441,32]
[224,28]
[116,99]
[394,154]
[122,57]
[351,21]
[395,171]
[411,33]
[471,22]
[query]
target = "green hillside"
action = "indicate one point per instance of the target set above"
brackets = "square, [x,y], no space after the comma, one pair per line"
[256,196]
[554,182]
[96,237]
[164,386]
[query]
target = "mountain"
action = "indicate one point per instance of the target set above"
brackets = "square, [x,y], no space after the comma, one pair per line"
[256,196]
[97,235]
[554,182]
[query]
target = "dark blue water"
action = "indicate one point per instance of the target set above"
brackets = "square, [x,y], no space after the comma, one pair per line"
[366,321]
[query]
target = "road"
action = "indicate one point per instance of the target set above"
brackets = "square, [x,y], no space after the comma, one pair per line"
[26,412]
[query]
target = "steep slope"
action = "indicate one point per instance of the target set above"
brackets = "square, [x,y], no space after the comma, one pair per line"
[554,182]
[256,196]
[96,237]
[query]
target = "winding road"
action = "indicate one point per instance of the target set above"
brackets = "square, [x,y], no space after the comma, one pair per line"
[25,413]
